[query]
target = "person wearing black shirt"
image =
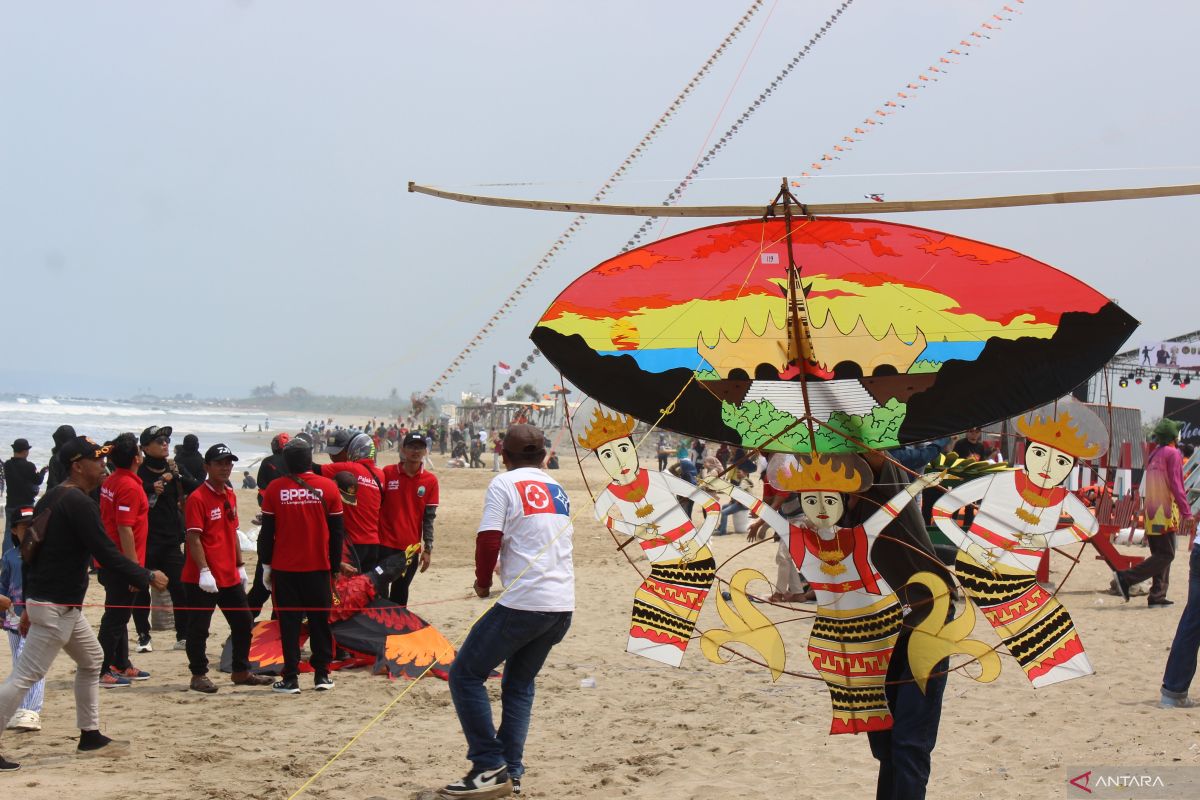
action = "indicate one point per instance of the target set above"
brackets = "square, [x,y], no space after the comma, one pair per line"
[272,467]
[902,549]
[55,582]
[190,462]
[167,487]
[972,448]
[56,474]
[23,479]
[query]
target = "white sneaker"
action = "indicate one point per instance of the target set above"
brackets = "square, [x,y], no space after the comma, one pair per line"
[25,720]
[180,644]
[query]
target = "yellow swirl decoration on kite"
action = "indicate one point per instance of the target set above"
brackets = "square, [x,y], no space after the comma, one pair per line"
[746,625]
[1060,432]
[603,429]
[932,640]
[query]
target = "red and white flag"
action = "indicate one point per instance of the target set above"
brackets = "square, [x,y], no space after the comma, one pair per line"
[502,368]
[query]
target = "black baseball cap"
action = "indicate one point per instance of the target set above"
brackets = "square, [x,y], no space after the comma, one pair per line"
[154,432]
[339,442]
[20,445]
[414,439]
[219,452]
[80,447]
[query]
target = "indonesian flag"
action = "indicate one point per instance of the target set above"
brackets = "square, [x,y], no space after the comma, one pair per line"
[502,368]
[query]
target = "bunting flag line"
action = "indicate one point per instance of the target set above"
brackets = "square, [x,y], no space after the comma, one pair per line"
[763,96]
[605,188]
[733,130]
[931,74]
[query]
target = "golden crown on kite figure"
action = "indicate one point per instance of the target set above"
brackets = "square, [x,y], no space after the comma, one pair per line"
[831,346]
[603,429]
[820,472]
[1059,431]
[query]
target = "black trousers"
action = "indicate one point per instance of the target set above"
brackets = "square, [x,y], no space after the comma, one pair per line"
[259,593]
[114,623]
[1156,566]
[232,601]
[304,590]
[397,592]
[167,558]
[365,556]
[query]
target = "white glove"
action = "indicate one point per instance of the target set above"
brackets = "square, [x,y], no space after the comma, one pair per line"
[267,574]
[242,575]
[207,582]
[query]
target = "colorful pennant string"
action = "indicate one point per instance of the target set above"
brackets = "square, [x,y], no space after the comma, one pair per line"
[605,188]
[931,74]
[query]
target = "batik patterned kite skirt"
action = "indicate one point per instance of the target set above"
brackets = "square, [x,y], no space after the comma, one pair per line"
[666,606]
[1036,629]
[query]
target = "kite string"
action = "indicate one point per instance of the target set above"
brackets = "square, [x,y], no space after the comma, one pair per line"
[514,581]
[605,188]
[704,161]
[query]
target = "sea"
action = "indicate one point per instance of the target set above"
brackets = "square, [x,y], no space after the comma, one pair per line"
[36,419]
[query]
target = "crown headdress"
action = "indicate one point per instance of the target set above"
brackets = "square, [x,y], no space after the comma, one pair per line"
[826,473]
[604,428]
[1071,428]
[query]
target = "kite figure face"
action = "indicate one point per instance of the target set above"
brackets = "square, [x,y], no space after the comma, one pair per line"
[1046,466]
[823,509]
[619,459]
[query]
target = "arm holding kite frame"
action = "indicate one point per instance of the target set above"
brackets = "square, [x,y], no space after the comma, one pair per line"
[892,508]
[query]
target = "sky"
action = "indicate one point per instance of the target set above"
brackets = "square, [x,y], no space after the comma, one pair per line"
[206,196]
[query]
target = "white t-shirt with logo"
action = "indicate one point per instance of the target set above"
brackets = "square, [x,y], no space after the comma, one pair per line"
[533,513]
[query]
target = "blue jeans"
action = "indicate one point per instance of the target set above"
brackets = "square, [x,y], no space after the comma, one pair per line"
[1181,663]
[522,640]
[727,511]
[906,751]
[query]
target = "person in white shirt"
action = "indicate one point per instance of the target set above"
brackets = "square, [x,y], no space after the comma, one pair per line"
[527,525]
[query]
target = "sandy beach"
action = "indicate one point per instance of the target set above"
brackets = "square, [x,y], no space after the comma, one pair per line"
[704,730]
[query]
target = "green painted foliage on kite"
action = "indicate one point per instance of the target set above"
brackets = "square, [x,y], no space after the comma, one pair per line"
[761,425]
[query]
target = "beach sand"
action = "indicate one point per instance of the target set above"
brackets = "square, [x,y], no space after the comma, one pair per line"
[704,730]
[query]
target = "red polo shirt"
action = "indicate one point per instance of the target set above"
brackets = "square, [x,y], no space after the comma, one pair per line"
[123,501]
[212,513]
[362,519]
[403,508]
[301,532]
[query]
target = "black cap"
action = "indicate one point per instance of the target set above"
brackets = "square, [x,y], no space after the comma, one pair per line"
[414,439]
[347,487]
[191,441]
[339,441]
[80,447]
[219,452]
[20,445]
[154,432]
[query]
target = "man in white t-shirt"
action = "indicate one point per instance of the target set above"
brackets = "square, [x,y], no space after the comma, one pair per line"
[527,524]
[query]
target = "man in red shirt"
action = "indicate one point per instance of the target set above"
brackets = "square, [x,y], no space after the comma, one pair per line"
[300,548]
[410,501]
[355,453]
[213,574]
[124,510]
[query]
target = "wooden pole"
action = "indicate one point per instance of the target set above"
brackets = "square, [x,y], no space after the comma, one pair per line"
[825,209]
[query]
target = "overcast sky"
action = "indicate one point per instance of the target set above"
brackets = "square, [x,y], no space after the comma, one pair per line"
[204,196]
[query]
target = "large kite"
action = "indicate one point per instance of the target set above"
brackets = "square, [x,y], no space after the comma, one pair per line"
[874,334]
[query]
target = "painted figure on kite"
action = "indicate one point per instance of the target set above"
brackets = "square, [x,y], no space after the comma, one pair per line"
[858,615]
[645,504]
[1017,520]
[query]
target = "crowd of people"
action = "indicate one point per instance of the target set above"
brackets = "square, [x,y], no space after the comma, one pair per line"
[150,521]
